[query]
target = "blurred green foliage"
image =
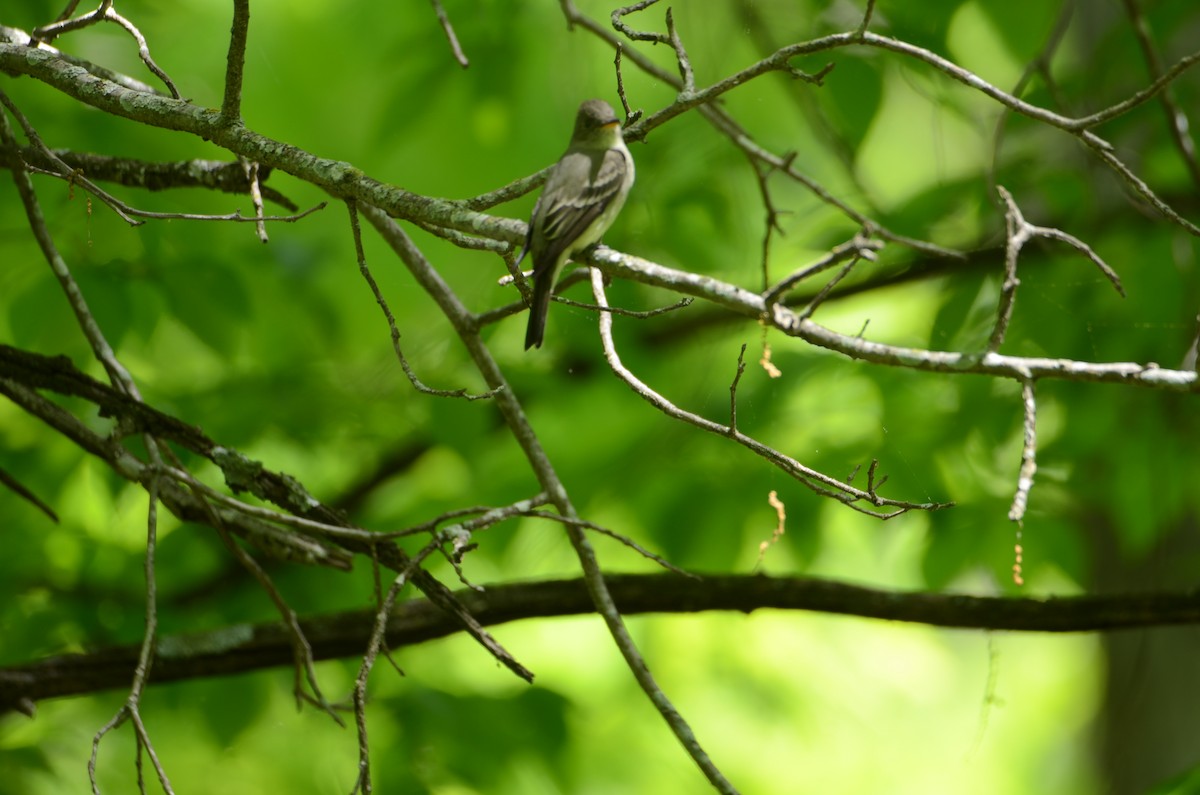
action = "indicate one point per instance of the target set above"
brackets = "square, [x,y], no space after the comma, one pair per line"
[280,352]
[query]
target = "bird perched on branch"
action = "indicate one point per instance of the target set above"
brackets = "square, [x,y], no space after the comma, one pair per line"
[583,194]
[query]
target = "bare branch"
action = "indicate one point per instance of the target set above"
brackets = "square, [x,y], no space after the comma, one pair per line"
[374,646]
[63,24]
[21,491]
[244,647]
[20,37]
[391,320]
[130,709]
[104,13]
[1028,454]
[626,540]
[1141,97]
[860,246]
[733,385]
[68,11]
[143,48]
[630,33]
[220,175]
[630,116]
[513,190]
[448,29]
[681,57]
[823,293]
[856,346]
[1177,120]
[810,478]
[255,196]
[1019,232]
[866,20]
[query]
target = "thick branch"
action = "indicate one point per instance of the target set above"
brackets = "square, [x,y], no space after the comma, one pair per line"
[246,647]
[339,178]
[219,175]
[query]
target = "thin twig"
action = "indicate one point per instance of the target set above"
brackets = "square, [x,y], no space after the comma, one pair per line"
[681,56]
[812,479]
[68,11]
[1018,233]
[122,381]
[63,23]
[513,190]
[630,33]
[460,534]
[143,48]
[24,493]
[1177,120]
[626,540]
[860,246]
[682,303]
[363,781]
[21,38]
[130,709]
[1028,454]
[302,657]
[740,138]
[630,116]
[391,320]
[866,20]
[448,29]
[488,517]
[1039,65]
[824,292]
[733,385]
[1141,97]
[1104,152]
[464,240]
[251,169]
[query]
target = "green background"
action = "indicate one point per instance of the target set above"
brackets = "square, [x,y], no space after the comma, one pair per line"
[280,352]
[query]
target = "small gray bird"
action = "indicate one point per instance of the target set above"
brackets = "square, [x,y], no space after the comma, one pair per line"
[583,194]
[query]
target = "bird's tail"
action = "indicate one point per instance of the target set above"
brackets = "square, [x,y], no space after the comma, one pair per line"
[538,309]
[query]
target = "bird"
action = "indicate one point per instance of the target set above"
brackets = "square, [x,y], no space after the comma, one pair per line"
[584,192]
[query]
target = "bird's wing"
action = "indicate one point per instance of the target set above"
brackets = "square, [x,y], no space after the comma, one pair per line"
[565,219]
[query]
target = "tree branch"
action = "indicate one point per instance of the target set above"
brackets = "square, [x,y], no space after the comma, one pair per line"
[245,647]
